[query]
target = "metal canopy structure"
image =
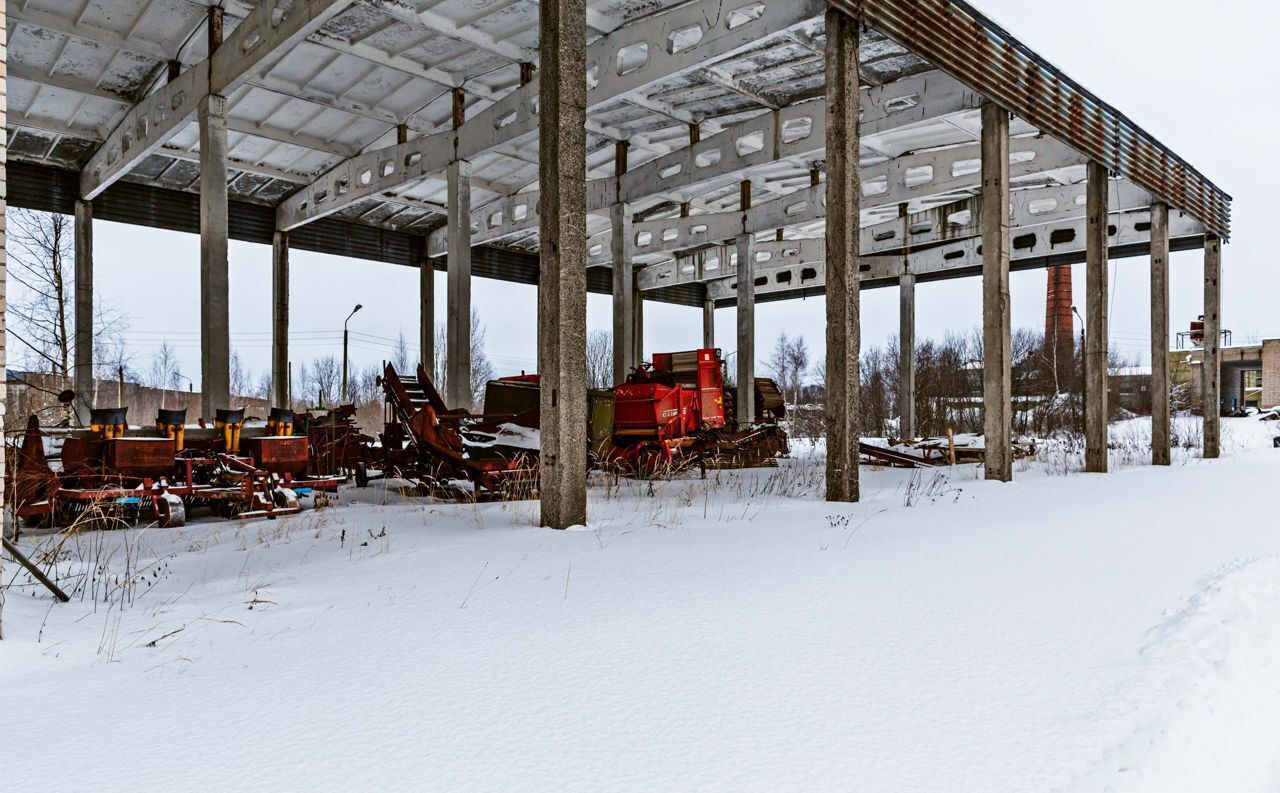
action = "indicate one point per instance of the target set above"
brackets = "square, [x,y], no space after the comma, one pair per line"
[310,122]
[409,131]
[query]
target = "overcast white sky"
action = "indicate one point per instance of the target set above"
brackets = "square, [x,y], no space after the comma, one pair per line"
[1203,78]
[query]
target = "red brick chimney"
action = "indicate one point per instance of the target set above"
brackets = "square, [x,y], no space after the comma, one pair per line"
[1057,307]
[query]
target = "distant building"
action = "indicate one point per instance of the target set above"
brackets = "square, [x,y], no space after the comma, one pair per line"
[1250,374]
[1130,388]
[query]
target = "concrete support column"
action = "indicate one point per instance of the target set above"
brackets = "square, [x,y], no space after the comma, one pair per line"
[997,375]
[625,297]
[1095,336]
[906,329]
[4,193]
[907,355]
[637,324]
[426,309]
[844,190]
[1211,376]
[562,284]
[458,289]
[280,319]
[708,323]
[1160,334]
[82,369]
[746,310]
[215,318]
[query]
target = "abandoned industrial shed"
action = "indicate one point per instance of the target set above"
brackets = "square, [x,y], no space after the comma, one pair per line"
[655,149]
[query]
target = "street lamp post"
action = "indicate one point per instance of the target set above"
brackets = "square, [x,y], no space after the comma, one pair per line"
[344,350]
[1084,383]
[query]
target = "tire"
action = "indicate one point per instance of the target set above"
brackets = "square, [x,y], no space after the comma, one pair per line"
[171,513]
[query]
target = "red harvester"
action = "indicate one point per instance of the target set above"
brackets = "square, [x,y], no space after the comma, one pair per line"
[677,411]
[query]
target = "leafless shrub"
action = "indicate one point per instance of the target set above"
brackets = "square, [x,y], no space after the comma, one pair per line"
[928,485]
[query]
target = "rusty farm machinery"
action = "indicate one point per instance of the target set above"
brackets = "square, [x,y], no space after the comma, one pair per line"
[677,412]
[120,475]
[445,452]
[672,413]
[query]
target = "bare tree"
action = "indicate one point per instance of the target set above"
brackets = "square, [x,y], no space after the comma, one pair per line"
[164,367]
[112,360]
[164,370]
[241,377]
[481,368]
[298,394]
[324,379]
[41,250]
[400,354]
[789,364]
[777,363]
[262,388]
[798,366]
[599,359]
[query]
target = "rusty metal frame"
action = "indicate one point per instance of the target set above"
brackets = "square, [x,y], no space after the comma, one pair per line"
[961,41]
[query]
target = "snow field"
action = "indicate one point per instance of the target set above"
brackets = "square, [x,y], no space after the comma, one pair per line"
[1067,632]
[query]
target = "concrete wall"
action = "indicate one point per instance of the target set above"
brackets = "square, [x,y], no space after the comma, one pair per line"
[1270,373]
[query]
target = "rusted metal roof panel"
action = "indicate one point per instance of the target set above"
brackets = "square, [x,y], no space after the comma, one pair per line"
[959,40]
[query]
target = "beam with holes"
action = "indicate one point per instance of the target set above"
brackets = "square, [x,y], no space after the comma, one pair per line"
[619,64]
[267,34]
[947,222]
[796,132]
[910,177]
[798,270]
[793,133]
[938,174]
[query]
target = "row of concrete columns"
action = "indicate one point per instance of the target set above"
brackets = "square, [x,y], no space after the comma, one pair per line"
[562,282]
[215,350]
[458,275]
[746,313]
[82,359]
[215,309]
[997,375]
[458,344]
[997,393]
[844,192]
[625,303]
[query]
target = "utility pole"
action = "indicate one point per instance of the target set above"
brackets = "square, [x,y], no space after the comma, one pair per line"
[1083,382]
[344,350]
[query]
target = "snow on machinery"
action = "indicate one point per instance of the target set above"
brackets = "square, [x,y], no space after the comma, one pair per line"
[677,411]
[125,475]
[514,403]
[671,413]
[447,452]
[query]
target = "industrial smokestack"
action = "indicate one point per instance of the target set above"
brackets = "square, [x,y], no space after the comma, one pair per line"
[1057,306]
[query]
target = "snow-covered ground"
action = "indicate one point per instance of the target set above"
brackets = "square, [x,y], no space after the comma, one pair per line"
[1068,632]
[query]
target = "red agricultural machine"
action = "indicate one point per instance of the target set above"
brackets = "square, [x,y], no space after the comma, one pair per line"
[436,448]
[677,411]
[671,413]
[123,475]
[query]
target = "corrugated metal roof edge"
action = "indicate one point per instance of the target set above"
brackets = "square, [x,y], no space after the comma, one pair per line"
[43,187]
[945,32]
